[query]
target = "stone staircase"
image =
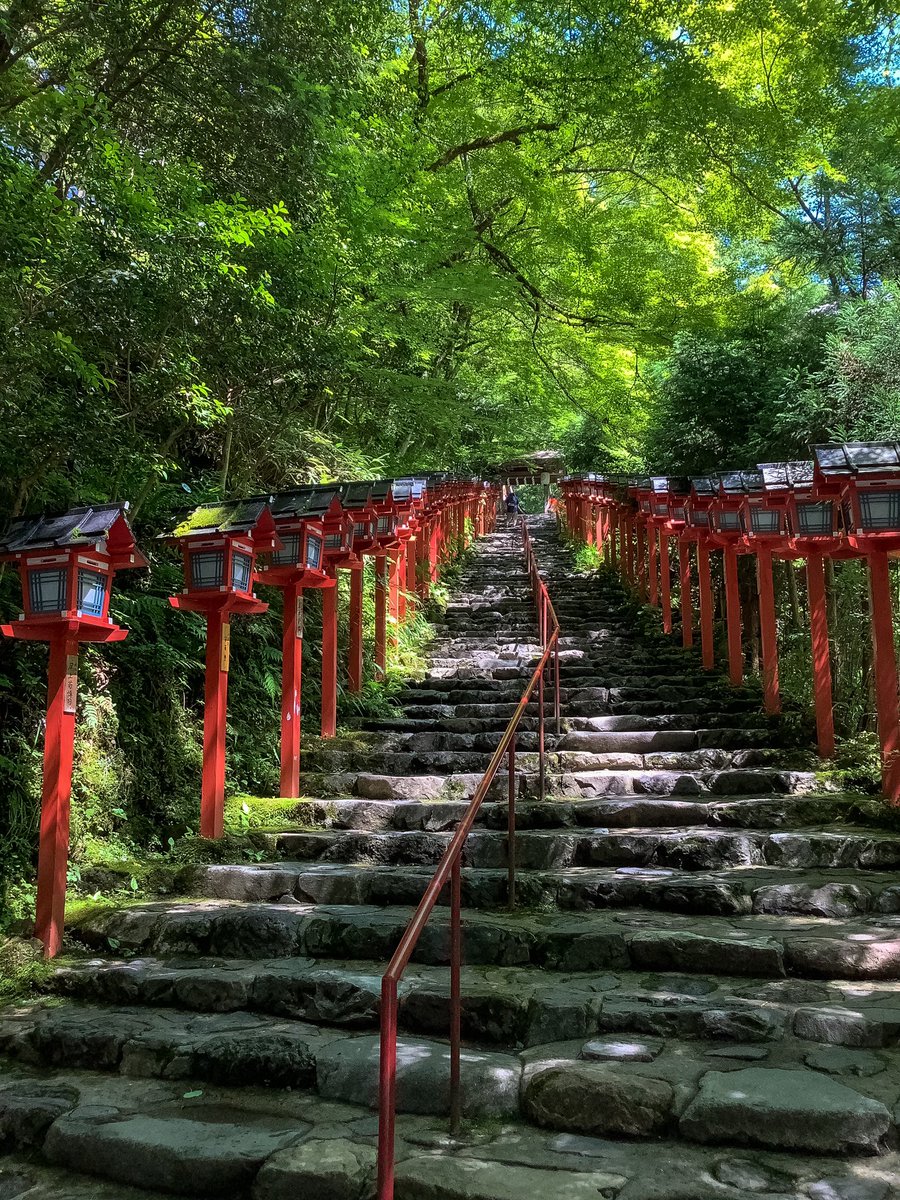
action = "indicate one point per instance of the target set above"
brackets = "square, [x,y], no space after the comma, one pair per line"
[706,955]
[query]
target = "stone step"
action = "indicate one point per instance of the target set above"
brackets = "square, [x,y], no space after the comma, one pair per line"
[728,891]
[701,705]
[335,758]
[750,721]
[781,813]
[600,1087]
[636,741]
[439,724]
[506,1005]
[581,784]
[765,946]
[333,1156]
[646,741]
[580,691]
[693,848]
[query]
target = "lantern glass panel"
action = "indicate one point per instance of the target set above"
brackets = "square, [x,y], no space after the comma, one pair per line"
[241,568]
[645,506]
[764,520]
[661,510]
[699,518]
[361,529]
[91,592]
[333,541]
[47,590]
[730,520]
[208,569]
[678,512]
[880,510]
[386,524]
[815,519]
[313,552]
[289,554]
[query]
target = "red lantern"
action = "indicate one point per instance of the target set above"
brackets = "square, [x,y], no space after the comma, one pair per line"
[220,543]
[865,479]
[668,502]
[66,565]
[299,562]
[814,530]
[357,501]
[765,532]
[698,529]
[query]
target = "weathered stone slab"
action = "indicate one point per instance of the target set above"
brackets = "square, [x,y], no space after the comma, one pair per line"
[216,1149]
[348,1070]
[619,1050]
[595,1098]
[444,1178]
[28,1109]
[793,1110]
[678,950]
[326,1170]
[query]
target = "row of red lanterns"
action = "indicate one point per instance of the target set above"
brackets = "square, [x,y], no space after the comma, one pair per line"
[844,503]
[295,541]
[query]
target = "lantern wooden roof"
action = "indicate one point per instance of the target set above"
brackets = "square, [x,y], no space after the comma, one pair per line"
[79,527]
[382,491]
[784,476]
[740,483]
[313,503]
[857,458]
[251,517]
[704,485]
[670,485]
[416,487]
[356,496]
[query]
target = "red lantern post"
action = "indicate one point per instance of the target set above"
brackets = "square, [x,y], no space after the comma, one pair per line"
[766,534]
[865,477]
[815,532]
[357,501]
[697,529]
[297,565]
[220,543]
[338,525]
[386,541]
[66,564]
[728,533]
[667,501]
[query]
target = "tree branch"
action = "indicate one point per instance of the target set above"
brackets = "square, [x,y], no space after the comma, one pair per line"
[492,139]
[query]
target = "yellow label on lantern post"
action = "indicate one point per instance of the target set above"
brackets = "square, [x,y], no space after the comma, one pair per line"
[225,658]
[299,620]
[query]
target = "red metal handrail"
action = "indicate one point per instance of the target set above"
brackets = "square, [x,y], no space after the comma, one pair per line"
[449,868]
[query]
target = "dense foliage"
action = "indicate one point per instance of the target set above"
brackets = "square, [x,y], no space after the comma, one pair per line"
[246,244]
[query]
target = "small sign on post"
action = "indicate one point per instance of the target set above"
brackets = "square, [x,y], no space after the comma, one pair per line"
[225,655]
[70,693]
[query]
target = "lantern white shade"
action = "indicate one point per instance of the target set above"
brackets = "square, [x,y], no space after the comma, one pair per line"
[91,592]
[47,590]
[880,509]
[241,568]
[208,569]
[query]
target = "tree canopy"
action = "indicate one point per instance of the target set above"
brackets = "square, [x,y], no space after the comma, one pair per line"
[253,243]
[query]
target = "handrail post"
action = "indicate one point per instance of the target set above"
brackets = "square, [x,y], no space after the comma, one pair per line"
[556,703]
[541,765]
[511,828]
[387,1088]
[455,996]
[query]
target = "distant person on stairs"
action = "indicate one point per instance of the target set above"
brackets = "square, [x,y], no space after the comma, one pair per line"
[512,503]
